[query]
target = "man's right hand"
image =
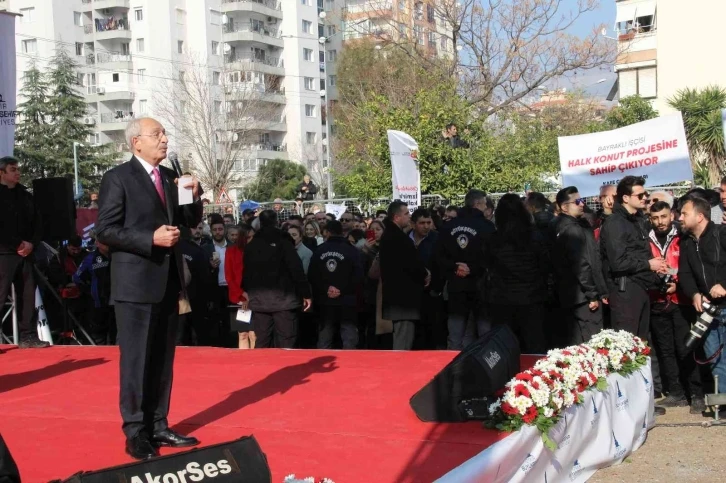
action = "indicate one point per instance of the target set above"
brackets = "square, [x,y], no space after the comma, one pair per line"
[166,236]
[462,270]
[698,300]
[658,265]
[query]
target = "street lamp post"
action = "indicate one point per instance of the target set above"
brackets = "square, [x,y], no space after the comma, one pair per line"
[323,41]
[76,189]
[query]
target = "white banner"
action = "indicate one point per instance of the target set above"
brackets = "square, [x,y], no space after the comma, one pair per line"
[723,121]
[7,84]
[336,210]
[404,166]
[43,327]
[601,432]
[656,150]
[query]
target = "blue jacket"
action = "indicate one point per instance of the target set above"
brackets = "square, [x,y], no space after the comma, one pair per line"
[95,273]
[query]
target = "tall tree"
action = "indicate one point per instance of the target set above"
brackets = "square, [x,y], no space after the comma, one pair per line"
[278,178]
[33,127]
[216,114]
[632,109]
[701,110]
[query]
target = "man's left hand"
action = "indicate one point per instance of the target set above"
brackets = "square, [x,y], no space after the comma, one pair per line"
[671,288]
[194,183]
[25,249]
[717,291]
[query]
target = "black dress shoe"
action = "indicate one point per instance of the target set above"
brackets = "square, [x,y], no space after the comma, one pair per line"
[32,343]
[168,437]
[139,447]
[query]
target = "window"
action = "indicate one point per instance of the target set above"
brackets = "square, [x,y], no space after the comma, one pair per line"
[309,3]
[401,5]
[402,30]
[139,45]
[79,48]
[332,79]
[311,137]
[322,84]
[115,77]
[181,16]
[308,55]
[125,48]
[139,14]
[418,11]
[218,107]
[309,84]
[30,46]
[77,19]
[307,27]
[216,76]
[180,46]
[321,31]
[309,110]
[444,43]
[321,57]
[332,29]
[28,15]
[80,79]
[642,82]
[418,34]
[332,55]
[215,47]
[430,14]
[142,106]
[141,75]
[432,39]
[215,18]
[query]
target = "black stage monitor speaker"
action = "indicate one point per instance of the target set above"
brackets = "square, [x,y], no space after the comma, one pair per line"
[240,461]
[54,199]
[465,388]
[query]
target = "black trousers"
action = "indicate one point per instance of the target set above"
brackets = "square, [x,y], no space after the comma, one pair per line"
[583,323]
[8,469]
[526,321]
[630,310]
[102,325]
[279,328]
[333,317]
[18,271]
[669,327]
[464,308]
[146,339]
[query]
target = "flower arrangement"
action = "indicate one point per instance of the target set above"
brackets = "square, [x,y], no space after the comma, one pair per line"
[538,396]
[309,479]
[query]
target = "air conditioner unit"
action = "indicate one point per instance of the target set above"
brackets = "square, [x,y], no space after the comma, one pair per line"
[101,90]
[89,121]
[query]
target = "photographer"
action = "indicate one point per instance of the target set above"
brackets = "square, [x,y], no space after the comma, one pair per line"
[702,272]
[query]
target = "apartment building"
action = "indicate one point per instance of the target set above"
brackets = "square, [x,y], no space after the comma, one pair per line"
[665,46]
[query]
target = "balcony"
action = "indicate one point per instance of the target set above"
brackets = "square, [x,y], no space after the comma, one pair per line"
[86,4]
[248,32]
[114,60]
[98,93]
[270,8]
[115,121]
[264,151]
[254,92]
[112,29]
[103,4]
[246,62]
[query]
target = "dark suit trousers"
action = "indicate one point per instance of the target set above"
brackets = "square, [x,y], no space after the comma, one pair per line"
[18,271]
[146,339]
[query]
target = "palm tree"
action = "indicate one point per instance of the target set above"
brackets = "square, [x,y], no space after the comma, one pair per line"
[701,110]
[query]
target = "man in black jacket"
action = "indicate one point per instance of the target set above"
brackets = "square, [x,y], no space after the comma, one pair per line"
[403,276]
[460,259]
[579,278]
[199,288]
[275,282]
[20,233]
[702,273]
[628,265]
[307,189]
[336,276]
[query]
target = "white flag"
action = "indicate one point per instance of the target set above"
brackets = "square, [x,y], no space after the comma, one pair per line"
[406,176]
[43,327]
[7,84]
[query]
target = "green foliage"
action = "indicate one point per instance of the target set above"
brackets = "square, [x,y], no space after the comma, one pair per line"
[701,110]
[51,121]
[632,109]
[276,179]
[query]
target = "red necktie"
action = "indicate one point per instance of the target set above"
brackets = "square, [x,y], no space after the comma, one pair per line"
[159,186]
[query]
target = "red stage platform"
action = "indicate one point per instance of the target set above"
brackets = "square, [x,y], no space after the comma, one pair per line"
[337,414]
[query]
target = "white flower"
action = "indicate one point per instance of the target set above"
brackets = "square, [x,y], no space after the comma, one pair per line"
[494,407]
[548,412]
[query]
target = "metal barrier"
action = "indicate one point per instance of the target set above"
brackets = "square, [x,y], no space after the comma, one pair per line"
[12,312]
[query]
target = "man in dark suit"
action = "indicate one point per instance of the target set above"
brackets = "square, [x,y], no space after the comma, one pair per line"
[138,219]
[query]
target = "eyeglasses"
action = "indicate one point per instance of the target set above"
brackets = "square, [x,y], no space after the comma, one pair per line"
[346,219]
[641,195]
[157,135]
[578,201]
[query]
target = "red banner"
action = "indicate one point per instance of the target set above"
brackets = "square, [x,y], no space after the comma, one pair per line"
[85,222]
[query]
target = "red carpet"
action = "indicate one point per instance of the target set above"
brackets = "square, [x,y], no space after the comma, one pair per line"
[337,414]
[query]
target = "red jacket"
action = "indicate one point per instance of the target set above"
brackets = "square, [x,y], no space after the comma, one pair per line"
[233,270]
[672,253]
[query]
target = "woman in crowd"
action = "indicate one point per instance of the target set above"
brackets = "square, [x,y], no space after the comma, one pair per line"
[312,230]
[233,271]
[517,261]
[303,252]
[356,238]
[371,312]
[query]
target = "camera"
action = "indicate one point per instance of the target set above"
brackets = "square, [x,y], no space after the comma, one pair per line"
[701,325]
[668,279]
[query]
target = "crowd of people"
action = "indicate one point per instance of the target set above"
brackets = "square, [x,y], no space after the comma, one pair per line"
[554,271]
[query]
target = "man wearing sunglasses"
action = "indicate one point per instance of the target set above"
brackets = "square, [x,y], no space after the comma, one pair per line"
[580,283]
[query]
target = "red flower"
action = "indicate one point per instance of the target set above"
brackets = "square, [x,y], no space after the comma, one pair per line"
[523,376]
[520,390]
[592,377]
[530,415]
[582,384]
[646,351]
[536,372]
[500,392]
[535,384]
[566,353]
[604,352]
[509,409]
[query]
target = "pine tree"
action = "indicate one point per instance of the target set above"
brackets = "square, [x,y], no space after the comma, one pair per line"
[66,109]
[34,128]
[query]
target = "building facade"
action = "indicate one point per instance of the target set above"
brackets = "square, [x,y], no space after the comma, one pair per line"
[666,46]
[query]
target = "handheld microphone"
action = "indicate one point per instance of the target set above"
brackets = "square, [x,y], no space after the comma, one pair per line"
[174,160]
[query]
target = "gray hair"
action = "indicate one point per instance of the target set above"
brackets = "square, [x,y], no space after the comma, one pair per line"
[133,129]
